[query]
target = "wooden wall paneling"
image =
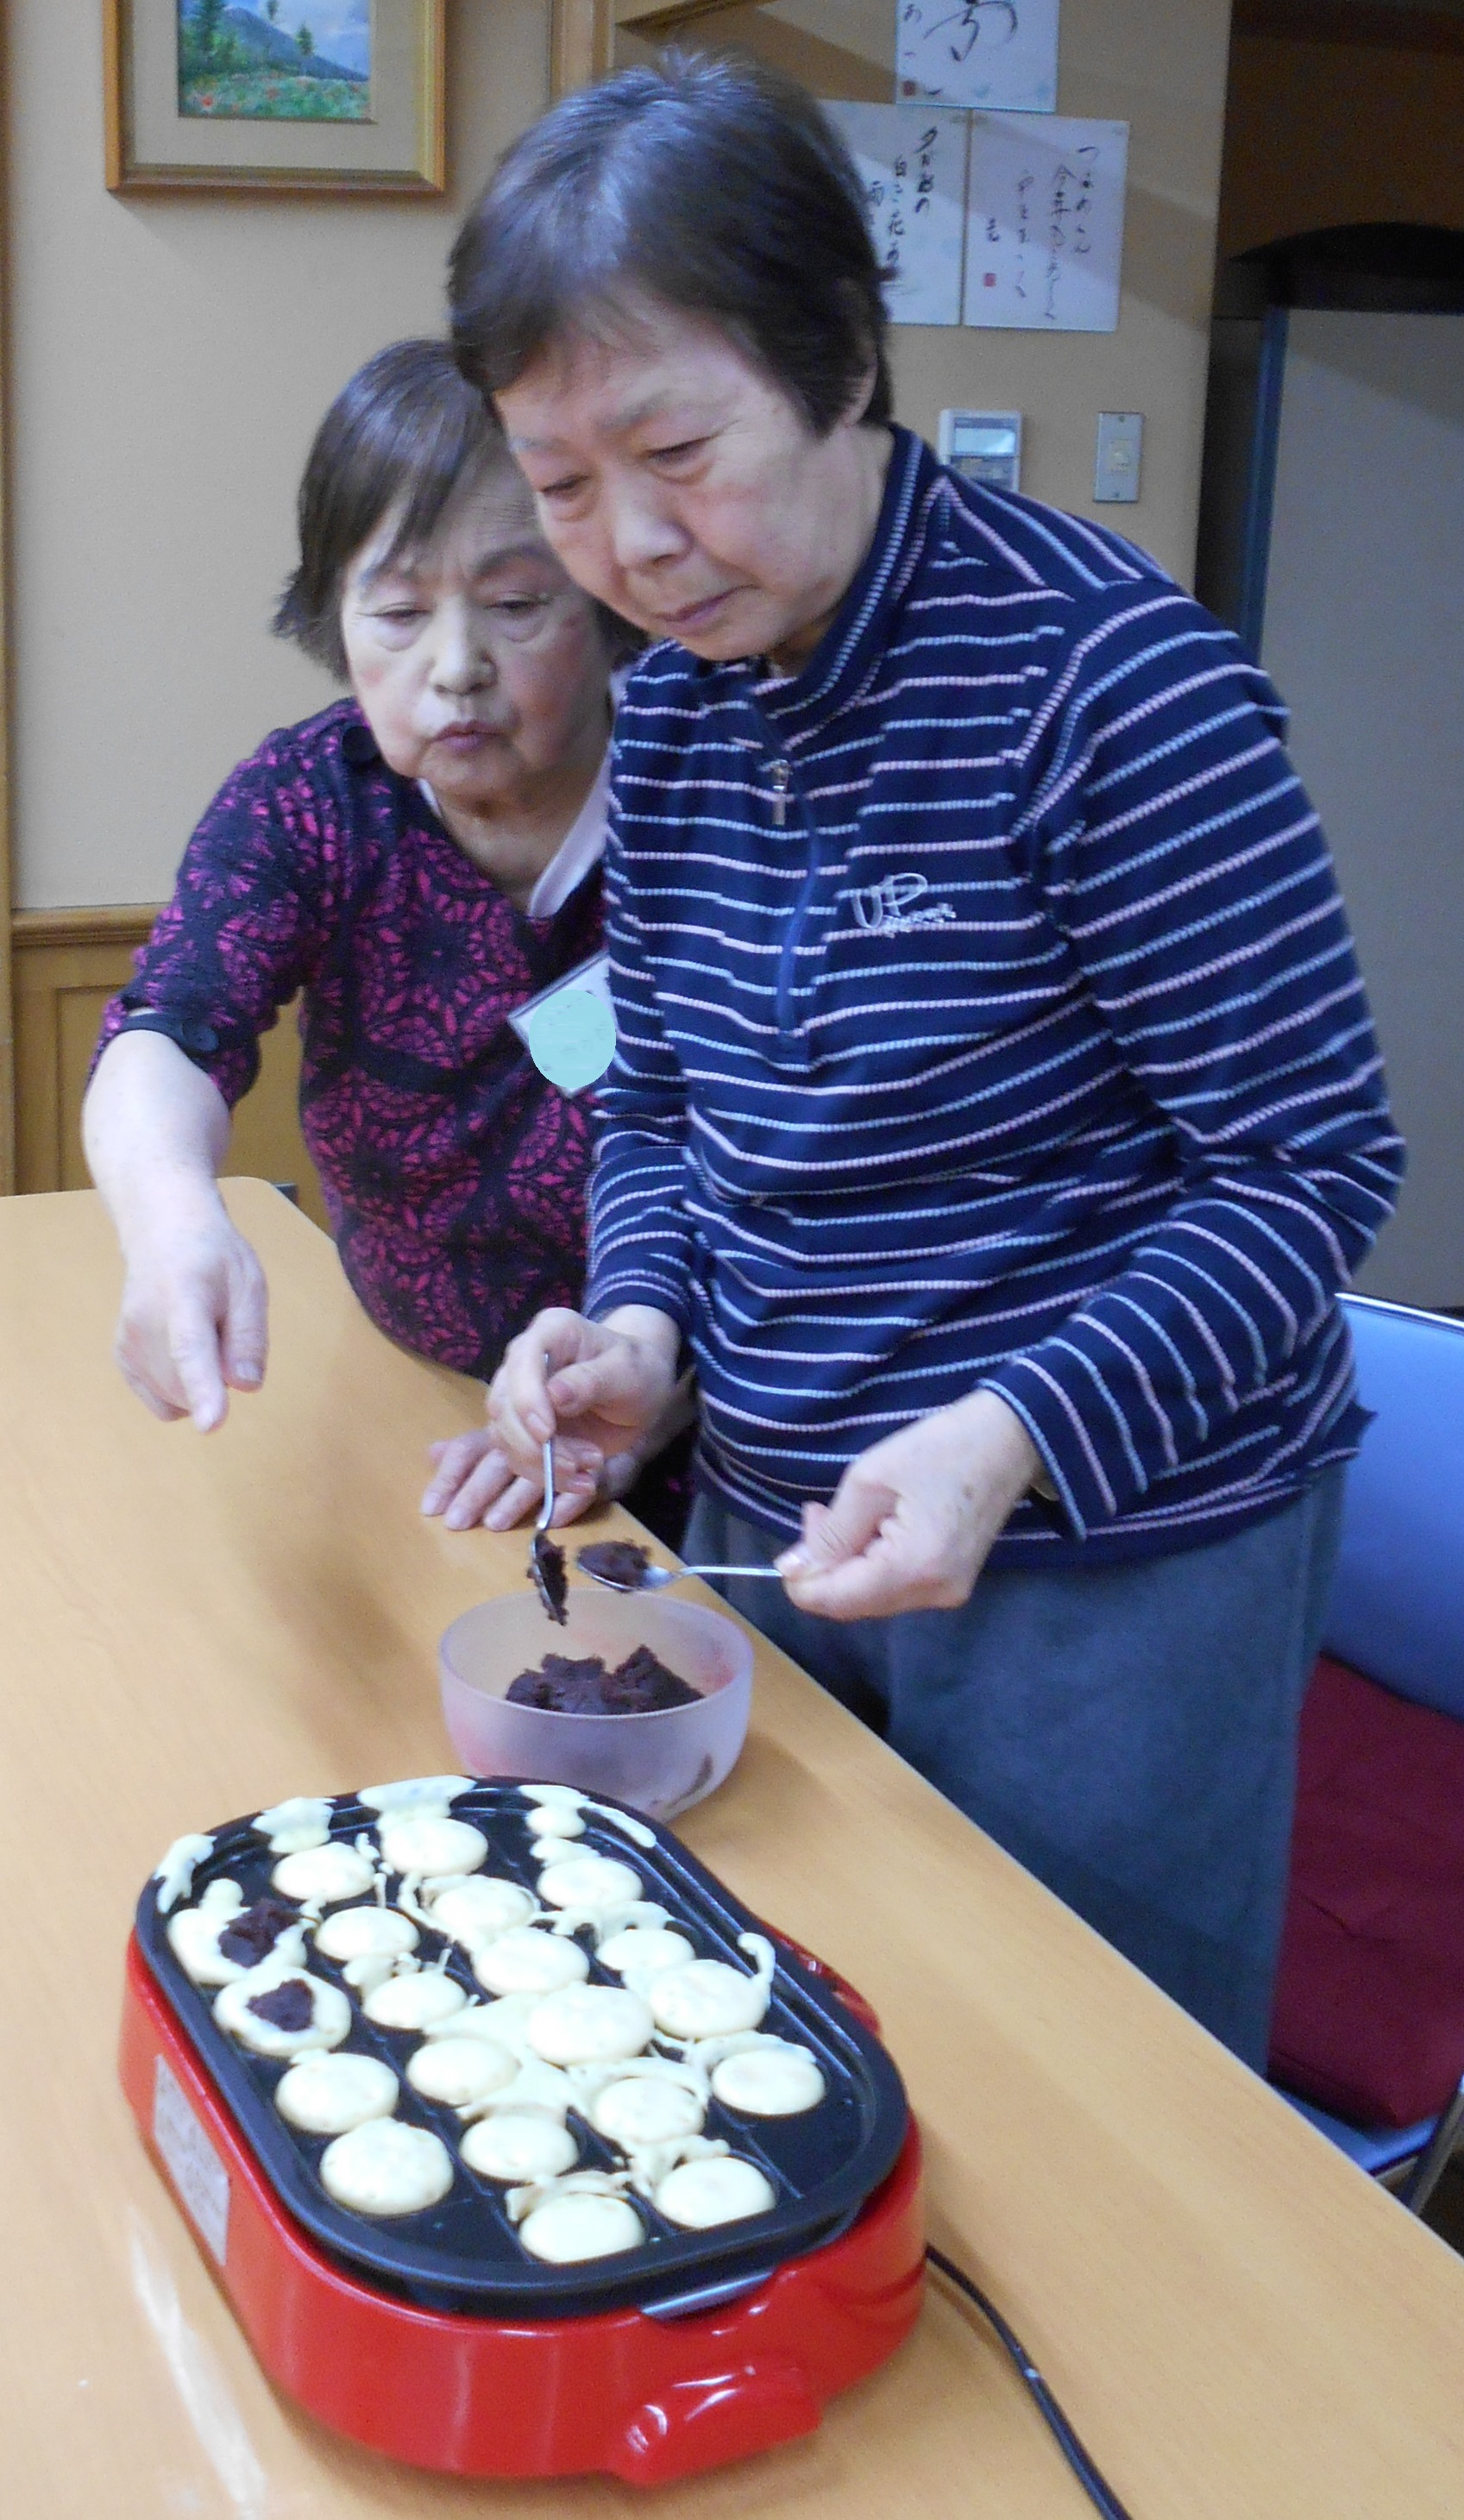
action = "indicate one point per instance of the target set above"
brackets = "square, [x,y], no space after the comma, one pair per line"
[1388,25]
[582,33]
[6,1025]
[113,101]
[68,964]
[665,19]
[581,43]
[828,67]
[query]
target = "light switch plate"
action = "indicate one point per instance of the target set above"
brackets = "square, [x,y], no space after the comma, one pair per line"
[1120,453]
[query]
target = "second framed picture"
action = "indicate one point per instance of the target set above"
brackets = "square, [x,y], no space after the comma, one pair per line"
[304,96]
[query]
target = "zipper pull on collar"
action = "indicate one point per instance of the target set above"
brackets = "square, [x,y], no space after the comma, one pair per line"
[782,777]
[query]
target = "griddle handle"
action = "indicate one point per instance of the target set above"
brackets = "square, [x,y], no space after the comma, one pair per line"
[732,2413]
[710,2296]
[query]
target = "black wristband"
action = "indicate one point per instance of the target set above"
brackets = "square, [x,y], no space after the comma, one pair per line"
[198,1042]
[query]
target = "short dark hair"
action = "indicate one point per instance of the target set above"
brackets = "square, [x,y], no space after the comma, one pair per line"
[709,182]
[410,430]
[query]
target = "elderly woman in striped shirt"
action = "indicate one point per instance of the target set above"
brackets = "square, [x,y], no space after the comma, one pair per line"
[997,1111]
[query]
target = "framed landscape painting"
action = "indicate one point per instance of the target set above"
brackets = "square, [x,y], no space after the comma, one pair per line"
[305,96]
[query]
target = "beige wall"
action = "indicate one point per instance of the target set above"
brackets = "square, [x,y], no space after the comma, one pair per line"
[1159,66]
[169,360]
[1322,135]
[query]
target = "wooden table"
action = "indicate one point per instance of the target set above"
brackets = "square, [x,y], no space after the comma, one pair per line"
[1237,2322]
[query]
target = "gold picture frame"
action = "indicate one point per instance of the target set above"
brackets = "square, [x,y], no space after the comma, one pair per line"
[238,117]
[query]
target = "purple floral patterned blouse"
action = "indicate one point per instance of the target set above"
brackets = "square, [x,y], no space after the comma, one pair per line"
[452,1172]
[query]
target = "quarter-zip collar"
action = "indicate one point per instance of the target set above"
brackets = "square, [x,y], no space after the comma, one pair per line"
[796,703]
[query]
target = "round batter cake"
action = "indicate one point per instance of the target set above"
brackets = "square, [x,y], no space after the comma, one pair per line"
[643,1950]
[519,2147]
[476,1910]
[567,2230]
[330,2094]
[592,1882]
[700,2195]
[776,2081]
[570,1799]
[705,2000]
[416,2001]
[413,1793]
[387,2168]
[353,1933]
[528,1961]
[558,1820]
[587,2025]
[642,2110]
[430,1843]
[325,1874]
[304,1820]
[193,1933]
[282,2011]
[455,2072]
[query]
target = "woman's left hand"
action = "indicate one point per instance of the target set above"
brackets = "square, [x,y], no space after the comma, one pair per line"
[470,1475]
[474,1482]
[913,1519]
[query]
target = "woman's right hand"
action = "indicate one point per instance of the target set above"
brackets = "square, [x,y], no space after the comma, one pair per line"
[195,1306]
[597,1387]
[194,1321]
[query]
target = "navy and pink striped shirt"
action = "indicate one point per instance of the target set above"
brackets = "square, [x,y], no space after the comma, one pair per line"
[987,1015]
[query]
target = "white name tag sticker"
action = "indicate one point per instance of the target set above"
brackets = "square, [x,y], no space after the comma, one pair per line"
[195,2167]
[569,1030]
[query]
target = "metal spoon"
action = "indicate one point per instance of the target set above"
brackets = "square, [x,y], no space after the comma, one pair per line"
[656,1578]
[540,1542]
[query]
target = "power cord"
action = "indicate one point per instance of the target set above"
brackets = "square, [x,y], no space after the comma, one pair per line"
[1090,2477]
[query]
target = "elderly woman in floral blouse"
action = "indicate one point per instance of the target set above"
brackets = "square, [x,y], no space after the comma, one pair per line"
[420,860]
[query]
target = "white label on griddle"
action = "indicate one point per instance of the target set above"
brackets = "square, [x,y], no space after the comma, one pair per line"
[193,2165]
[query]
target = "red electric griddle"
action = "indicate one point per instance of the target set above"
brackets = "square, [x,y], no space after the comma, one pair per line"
[436,2337]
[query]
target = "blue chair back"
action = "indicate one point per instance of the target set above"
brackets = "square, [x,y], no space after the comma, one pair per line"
[1396,1606]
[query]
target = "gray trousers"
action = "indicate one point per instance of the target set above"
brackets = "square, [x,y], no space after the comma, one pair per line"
[1127,1732]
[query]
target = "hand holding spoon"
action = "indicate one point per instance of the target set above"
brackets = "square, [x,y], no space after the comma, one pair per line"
[624,1567]
[546,1557]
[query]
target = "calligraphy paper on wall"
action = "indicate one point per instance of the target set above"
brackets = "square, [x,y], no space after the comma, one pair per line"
[912,162]
[1044,223]
[1001,54]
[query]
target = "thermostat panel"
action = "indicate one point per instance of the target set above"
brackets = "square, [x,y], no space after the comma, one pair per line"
[983,446]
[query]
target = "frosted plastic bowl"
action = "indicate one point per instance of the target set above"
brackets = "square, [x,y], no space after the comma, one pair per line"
[660,1763]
